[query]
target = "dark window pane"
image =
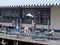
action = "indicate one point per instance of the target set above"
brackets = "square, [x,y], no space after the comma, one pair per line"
[41,15]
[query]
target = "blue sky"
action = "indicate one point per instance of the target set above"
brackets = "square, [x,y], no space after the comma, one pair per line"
[27,2]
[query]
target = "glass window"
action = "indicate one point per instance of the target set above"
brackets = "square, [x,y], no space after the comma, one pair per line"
[41,15]
[9,14]
[0,12]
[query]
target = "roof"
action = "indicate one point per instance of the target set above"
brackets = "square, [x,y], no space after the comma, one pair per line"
[29,2]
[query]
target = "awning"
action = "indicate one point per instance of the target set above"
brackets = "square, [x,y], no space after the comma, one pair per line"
[29,3]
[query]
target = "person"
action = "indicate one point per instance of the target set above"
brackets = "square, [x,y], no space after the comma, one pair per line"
[13,23]
[3,27]
[42,30]
[51,33]
[17,28]
[26,29]
[33,25]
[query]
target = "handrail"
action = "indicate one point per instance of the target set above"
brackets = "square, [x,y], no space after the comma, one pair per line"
[32,36]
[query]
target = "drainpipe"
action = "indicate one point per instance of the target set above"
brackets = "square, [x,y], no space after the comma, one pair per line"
[48,25]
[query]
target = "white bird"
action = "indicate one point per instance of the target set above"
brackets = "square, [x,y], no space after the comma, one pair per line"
[30,15]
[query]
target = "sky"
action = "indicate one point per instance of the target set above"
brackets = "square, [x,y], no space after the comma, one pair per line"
[27,2]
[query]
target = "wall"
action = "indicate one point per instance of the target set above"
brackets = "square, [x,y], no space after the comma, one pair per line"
[55,17]
[37,26]
[7,24]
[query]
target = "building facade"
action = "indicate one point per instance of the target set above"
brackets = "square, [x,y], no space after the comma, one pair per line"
[42,12]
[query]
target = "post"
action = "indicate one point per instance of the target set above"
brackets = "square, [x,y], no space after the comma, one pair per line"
[16,42]
[48,26]
[20,23]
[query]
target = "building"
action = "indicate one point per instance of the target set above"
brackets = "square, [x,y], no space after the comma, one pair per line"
[42,11]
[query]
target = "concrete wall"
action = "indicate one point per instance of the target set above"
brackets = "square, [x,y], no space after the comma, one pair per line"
[55,17]
[7,24]
[37,26]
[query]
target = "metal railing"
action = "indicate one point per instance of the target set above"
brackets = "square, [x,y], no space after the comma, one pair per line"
[29,35]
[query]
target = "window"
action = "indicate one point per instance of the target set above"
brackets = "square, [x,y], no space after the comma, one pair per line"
[9,14]
[41,15]
[0,12]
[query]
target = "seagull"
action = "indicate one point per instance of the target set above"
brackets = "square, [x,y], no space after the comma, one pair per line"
[30,15]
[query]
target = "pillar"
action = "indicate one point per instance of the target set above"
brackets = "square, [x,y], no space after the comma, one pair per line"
[20,17]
